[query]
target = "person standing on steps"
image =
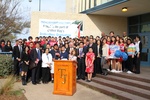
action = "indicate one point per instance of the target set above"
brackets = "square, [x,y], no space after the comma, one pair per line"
[25,65]
[81,61]
[138,46]
[89,61]
[17,54]
[55,56]
[46,66]
[36,57]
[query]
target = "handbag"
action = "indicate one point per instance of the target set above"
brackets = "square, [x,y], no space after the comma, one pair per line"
[20,63]
[32,65]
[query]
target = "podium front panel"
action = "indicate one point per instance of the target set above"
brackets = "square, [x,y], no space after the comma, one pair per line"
[64,77]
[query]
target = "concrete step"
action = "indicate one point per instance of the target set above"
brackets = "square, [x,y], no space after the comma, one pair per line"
[127,81]
[116,93]
[123,87]
[137,77]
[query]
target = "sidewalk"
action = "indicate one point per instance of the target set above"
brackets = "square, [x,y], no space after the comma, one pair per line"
[44,92]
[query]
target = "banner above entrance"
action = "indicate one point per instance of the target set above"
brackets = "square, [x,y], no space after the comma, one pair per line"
[55,28]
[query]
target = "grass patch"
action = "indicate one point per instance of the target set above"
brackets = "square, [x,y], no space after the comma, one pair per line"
[8,85]
[16,92]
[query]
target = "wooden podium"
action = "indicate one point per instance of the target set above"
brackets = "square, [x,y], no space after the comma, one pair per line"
[64,77]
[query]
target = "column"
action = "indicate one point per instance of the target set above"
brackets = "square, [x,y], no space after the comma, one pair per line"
[77,6]
[83,5]
[99,2]
[87,4]
[92,3]
[80,6]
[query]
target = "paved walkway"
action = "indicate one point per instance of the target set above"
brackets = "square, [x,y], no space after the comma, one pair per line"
[44,92]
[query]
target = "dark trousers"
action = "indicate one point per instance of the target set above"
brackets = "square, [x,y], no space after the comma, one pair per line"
[137,64]
[28,75]
[130,63]
[95,68]
[45,75]
[16,67]
[81,68]
[36,73]
[124,64]
[98,69]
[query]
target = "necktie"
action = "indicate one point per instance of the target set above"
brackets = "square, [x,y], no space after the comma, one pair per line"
[20,50]
[39,55]
[80,52]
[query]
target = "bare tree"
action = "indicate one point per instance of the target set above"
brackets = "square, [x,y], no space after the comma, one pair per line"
[11,19]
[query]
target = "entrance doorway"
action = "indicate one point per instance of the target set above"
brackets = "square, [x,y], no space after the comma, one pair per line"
[145,54]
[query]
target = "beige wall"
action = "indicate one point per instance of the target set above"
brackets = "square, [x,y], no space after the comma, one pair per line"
[92,24]
[72,6]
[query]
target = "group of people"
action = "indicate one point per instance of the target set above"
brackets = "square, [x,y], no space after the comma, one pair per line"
[35,59]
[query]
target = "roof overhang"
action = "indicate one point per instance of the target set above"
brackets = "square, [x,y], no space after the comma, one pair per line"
[114,8]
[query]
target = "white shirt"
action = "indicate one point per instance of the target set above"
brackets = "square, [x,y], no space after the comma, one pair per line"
[37,50]
[98,50]
[137,46]
[72,57]
[46,59]
[105,50]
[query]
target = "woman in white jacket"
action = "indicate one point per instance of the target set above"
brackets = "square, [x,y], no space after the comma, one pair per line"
[105,53]
[46,65]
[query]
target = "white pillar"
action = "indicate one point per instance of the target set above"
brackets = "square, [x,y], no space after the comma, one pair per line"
[83,5]
[80,6]
[87,4]
[92,3]
[98,2]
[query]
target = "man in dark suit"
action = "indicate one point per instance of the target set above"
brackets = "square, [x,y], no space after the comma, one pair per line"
[93,46]
[17,54]
[36,57]
[98,57]
[81,52]
[55,55]
[71,47]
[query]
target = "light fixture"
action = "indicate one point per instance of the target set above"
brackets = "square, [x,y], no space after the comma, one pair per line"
[124,9]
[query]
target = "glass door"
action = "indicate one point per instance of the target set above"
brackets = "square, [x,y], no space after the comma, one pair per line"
[145,55]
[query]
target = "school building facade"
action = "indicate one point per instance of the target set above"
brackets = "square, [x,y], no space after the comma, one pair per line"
[105,16]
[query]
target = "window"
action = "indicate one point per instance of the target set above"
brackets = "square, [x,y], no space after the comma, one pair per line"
[134,20]
[145,18]
[145,28]
[133,29]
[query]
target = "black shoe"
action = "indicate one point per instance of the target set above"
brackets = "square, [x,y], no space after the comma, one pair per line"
[137,72]
[38,83]
[88,80]
[83,78]
[34,83]
[78,78]
[23,80]
[52,81]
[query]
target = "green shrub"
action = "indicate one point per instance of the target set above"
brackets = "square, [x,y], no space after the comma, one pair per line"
[6,64]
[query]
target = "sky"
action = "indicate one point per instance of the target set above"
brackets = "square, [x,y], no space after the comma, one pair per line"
[46,5]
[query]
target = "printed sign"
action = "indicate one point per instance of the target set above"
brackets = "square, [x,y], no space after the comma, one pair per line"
[63,28]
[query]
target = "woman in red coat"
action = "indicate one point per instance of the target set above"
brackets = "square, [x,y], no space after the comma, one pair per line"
[89,61]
